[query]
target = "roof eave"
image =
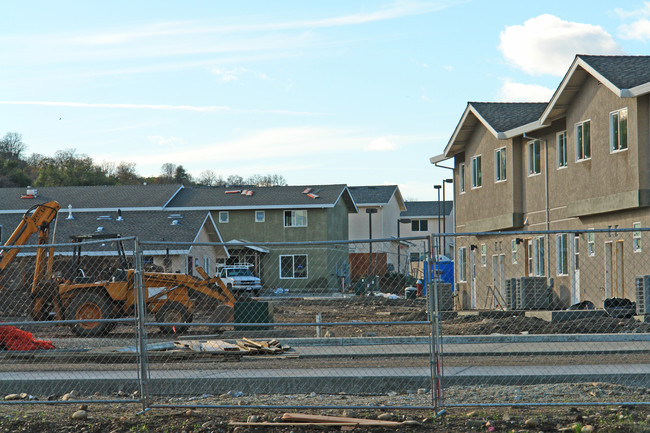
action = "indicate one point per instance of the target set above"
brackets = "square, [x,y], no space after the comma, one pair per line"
[452,141]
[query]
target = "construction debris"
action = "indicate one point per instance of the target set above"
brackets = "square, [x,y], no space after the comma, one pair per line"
[244,346]
[303,419]
[12,338]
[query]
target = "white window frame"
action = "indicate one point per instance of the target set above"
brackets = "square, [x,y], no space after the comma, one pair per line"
[294,218]
[293,265]
[591,243]
[561,150]
[615,130]
[257,216]
[636,237]
[224,216]
[581,155]
[483,255]
[515,247]
[461,178]
[534,153]
[562,256]
[500,161]
[477,172]
[539,262]
[462,264]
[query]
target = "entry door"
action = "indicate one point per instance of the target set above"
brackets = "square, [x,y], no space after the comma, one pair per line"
[575,264]
[498,279]
[609,270]
[472,278]
[495,281]
[620,270]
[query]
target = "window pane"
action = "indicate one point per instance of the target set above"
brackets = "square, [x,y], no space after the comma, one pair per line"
[587,140]
[623,132]
[300,266]
[287,218]
[286,267]
[614,126]
[424,225]
[537,157]
[478,172]
[579,154]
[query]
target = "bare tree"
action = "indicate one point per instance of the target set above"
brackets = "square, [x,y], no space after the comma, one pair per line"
[235,180]
[12,146]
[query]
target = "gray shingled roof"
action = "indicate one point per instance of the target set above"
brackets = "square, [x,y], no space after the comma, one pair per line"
[625,72]
[92,197]
[504,116]
[147,225]
[215,197]
[427,209]
[372,195]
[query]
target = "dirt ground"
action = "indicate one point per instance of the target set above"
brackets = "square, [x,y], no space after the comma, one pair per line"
[121,419]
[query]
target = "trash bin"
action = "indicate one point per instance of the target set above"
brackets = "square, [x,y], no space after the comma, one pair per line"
[410,293]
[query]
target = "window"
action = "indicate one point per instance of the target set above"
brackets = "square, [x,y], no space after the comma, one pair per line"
[500,165]
[223,216]
[462,264]
[206,264]
[483,255]
[561,149]
[419,225]
[562,254]
[636,237]
[591,244]
[618,130]
[514,251]
[534,157]
[259,216]
[529,248]
[292,267]
[583,140]
[539,256]
[477,180]
[461,177]
[295,218]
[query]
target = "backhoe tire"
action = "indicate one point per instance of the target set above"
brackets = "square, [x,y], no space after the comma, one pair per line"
[87,306]
[173,312]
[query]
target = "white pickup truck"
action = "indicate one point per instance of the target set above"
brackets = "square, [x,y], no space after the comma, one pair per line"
[239,279]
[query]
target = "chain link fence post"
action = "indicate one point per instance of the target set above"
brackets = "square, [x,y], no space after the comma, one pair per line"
[141,330]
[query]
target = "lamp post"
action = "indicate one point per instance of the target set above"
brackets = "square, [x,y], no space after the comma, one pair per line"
[444,216]
[438,187]
[370,211]
[399,247]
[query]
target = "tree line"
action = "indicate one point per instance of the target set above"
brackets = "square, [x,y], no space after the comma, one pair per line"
[70,168]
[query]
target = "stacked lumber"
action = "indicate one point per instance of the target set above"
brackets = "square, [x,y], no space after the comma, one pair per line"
[271,347]
[295,419]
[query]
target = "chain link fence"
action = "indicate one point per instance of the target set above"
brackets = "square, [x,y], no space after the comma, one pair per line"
[553,317]
[521,318]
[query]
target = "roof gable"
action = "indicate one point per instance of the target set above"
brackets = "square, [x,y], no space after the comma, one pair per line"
[376,195]
[427,209]
[625,76]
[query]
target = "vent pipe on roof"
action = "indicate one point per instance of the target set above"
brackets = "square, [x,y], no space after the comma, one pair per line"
[69,217]
[174,223]
[119,215]
[100,229]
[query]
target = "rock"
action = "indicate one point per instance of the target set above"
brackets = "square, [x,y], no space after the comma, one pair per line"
[475,423]
[209,425]
[389,416]
[74,393]
[24,395]
[587,429]
[471,414]
[531,422]
[10,397]
[506,417]
[253,418]
[422,391]
[329,334]
[350,414]
[67,397]
[411,422]
[80,414]
[189,412]
[83,407]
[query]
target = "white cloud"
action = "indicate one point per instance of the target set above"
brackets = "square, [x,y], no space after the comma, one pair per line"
[639,30]
[199,108]
[520,92]
[233,74]
[161,141]
[547,44]
[448,68]
[643,11]
[381,144]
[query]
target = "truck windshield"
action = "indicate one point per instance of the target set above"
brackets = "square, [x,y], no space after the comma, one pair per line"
[242,272]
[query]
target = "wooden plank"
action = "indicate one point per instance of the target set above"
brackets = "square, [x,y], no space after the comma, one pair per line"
[253,343]
[219,346]
[304,417]
[295,424]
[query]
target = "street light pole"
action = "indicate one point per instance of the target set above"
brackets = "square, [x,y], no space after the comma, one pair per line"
[399,246]
[444,216]
[438,187]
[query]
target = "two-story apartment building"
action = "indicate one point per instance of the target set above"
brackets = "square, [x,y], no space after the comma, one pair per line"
[428,218]
[578,163]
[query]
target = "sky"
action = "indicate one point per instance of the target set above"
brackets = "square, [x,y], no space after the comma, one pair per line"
[321,92]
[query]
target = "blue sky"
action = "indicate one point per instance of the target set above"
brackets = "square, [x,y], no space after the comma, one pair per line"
[355,92]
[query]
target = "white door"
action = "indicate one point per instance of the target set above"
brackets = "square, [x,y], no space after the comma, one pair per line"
[575,264]
[472,278]
[495,281]
[620,271]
